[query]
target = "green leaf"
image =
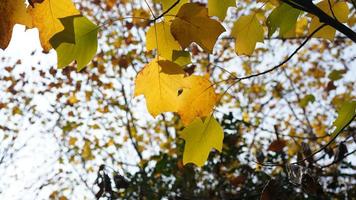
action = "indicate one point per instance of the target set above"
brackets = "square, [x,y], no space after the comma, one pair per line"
[200,137]
[308,98]
[219,7]
[181,58]
[345,114]
[336,74]
[283,17]
[78,41]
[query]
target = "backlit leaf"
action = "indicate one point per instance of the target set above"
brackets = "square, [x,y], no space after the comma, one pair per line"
[12,12]
[306,99]
[197,99]
[336,74]
[159,37]
[346,113]
[192,24]
[200,137]
[181,58]
[46,17]
[283,17]
[341,11]
[78,41]
[218,8]
[159,81]
[247,31]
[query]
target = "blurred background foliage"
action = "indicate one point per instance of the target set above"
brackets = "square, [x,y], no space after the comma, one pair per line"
[103,144]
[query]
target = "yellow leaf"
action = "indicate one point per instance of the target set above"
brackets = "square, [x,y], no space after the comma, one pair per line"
[247,31]
[197,99]
[46,16]
[200,137]
[86,153]
[351,21]
[192,24]
[219,7]
[159,36]
[301,26]
[16,111]
[73,99]
[12,12]
[72,141]
[166,4]
[341,11]
[140,17]
[159,81]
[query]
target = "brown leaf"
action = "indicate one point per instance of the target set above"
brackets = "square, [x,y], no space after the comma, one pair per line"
[330,86]
[239,180]
[269,191]
[311,186]
[277,145]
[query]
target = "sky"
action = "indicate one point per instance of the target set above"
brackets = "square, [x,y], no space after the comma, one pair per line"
[38,147]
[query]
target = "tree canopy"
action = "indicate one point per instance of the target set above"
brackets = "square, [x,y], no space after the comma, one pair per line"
[181,99]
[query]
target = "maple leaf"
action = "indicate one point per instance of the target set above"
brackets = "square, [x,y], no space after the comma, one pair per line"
[200,137]
[346,113]
[197,99]
[247,31]
[192,24]
[283,17]
[12,12]
[45,17]
[159,36]
[219,7]
[341,12]
[78,41]
[159,81]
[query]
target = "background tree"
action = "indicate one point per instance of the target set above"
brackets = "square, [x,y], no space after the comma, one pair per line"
[276,106]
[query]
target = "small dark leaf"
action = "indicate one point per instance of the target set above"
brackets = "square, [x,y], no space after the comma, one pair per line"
[329,151]
[239,180]
[107,183]
[231,139]
[270,190]
[336,74]
[190,70]
[120,182]
[340,152]
[32,2]
[101,186]
[307,152]
[260,157]
[277,145]
[300,158]
[330,86]
[311,186]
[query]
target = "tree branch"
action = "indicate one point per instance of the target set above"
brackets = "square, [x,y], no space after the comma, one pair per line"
[310,7]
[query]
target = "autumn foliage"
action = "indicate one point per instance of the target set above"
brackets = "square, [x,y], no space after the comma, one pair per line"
[216,99]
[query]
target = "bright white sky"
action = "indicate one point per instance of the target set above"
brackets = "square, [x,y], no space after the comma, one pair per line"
[39,148]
